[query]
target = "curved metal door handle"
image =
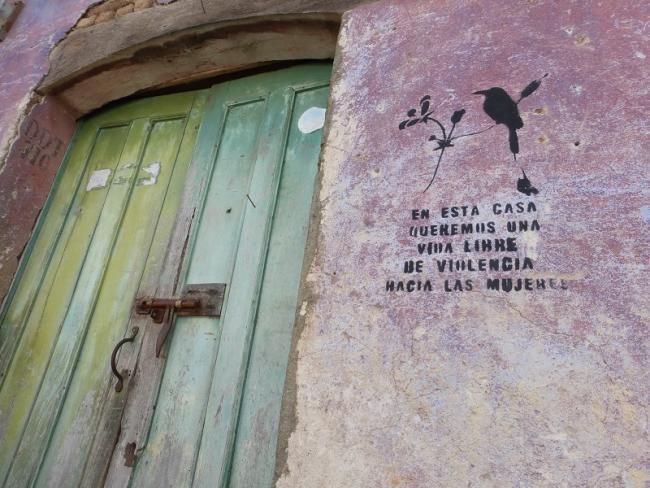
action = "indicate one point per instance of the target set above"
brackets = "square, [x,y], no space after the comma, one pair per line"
[120,378]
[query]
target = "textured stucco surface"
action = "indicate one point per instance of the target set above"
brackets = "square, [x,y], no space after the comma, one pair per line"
[33,134]
[480,388]
[27,178]
[24,56]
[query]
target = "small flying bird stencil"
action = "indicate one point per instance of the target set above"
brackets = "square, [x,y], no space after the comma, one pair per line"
[498,105]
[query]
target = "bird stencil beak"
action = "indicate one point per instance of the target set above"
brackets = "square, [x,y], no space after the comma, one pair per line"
[480,92]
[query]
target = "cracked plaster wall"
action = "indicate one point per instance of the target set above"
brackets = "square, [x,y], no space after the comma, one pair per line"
[24,53]
[479,388]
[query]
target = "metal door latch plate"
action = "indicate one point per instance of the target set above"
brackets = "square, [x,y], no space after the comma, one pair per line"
[201,300]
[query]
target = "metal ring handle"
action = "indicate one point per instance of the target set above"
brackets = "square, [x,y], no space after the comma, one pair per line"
[120,378]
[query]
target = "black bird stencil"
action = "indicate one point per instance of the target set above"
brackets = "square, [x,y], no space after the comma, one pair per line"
[498,105]
[501,108]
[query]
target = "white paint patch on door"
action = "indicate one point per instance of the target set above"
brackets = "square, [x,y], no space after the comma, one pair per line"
[311,119]
[154,170]
[98,179]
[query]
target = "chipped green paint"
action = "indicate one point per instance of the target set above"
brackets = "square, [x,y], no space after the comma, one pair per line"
[253,460]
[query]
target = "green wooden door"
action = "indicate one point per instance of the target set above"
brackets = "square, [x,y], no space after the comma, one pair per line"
[206,413]
[248,200]
[105,230]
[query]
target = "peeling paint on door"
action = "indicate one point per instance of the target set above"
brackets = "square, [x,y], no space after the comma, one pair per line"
[154,170]
[311,120]
[98,179]
[72,302]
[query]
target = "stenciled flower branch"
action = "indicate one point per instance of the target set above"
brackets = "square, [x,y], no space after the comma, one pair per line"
[444,139]
[498,105]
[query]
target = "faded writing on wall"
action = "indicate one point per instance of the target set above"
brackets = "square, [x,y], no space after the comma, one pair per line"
[38,145]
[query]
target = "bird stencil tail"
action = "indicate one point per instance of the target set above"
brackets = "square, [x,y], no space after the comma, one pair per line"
[514,142]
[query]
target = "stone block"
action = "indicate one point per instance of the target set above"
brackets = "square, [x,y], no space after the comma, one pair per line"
[86,21]
[9,10]
[143,4]
[127,9]
[104,16]
[108,6]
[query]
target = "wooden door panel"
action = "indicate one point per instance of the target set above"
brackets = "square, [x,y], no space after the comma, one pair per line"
[221,407]
[81,411]
[48,311]
[253,461]
[74,320]
[195,425]
[85,294]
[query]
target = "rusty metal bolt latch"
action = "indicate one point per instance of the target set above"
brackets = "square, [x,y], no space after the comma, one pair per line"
[201,300]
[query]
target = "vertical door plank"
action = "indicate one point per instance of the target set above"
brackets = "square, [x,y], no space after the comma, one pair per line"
[223,401]
[176,427]
[31,358]
[253,460]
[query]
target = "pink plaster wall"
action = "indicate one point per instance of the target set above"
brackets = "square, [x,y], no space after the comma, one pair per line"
[481,388]
[24,54]
[27,177]
[38,136]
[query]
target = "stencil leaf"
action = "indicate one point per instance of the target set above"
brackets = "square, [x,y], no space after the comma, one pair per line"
[457,115]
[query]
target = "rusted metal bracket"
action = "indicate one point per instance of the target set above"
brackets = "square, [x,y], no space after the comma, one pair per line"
[202,300]
[129,455]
